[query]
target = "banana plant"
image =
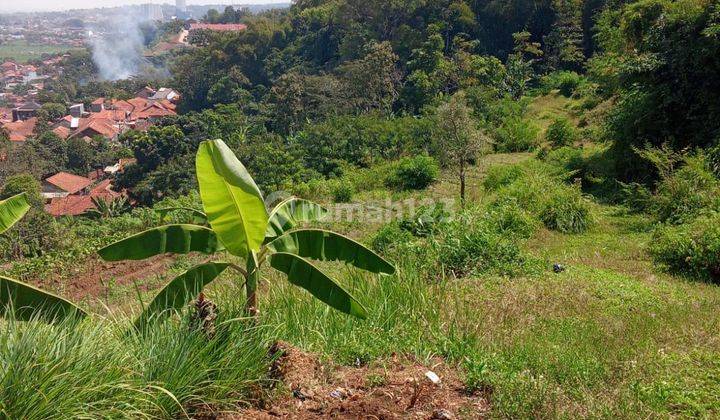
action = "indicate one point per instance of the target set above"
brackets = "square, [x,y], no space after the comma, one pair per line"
[239,224]
[26,302]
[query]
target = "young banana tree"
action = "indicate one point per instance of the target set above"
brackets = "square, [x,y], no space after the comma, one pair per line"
[240,224]
[22,300]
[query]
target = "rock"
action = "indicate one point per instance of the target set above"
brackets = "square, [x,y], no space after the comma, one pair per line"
[558,268]
[298,394]
[432,376]
[340,393]
[442,414]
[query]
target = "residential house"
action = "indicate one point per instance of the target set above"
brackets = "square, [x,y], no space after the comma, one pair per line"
[26,111]
[21,130]
[98,105]
[93,127]
[166,94]
[63,184]
[75,205]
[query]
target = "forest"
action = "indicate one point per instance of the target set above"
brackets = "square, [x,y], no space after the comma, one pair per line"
[520,197]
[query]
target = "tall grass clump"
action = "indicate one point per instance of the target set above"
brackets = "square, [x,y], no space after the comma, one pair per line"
[499,176]
[561,132]
[565,81]
[687,192]
[691,248]
[540,189]
[413,173]
[99,368]
[516,134]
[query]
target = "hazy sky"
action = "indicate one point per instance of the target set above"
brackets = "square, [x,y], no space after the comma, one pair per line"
[45,5]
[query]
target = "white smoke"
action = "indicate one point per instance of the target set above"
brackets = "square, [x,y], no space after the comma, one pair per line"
[117,47]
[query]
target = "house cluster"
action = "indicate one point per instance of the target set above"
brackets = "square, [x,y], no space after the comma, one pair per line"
[67,194]
[107,118]
[13,74]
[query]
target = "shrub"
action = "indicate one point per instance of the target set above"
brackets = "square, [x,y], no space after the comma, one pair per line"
[691,248]
[426,221]
[473,243]
[686,192]
[499,176]
[566,211]
[541,191]
[516,134]
[414,173]
[565,81]
[342,191]
[388,236]
[561,132]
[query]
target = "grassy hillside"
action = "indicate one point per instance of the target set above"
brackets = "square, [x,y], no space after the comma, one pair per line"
[476,299]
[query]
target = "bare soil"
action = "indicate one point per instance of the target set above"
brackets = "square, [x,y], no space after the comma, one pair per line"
[399,389]
[96,277]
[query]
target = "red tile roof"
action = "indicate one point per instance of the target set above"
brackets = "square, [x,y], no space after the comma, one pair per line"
[90,127]
[69,182]
[74,205]
[21,130]
[62,132]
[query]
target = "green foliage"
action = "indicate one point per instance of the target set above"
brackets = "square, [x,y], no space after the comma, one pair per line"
[692,248]
[416,173]
[98,369]
[342,191]
[516,134]
[474,243]
[23,184]
[567,82]
[684,193]
[539,189]
[241,225]
[362,140]
[388,236]
[561,132]
[660,61]
[499,176]
[566,212]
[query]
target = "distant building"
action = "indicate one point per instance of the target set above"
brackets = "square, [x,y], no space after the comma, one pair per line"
[98,105]
[165,94]
[180,6]
[26,111]
[77,110]
[63,184]
[152,11]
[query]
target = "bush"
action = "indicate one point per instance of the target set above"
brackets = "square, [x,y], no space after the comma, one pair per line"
[499,176]
[342,191]
[541,191]
[561,132]
[473,243]
[516,135]
[414,173]
[691,248]
[388,236]
[565,81]
[687,192]
[566,211]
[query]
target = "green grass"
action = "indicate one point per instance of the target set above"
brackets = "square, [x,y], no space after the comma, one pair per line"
[22,51]
[612,336]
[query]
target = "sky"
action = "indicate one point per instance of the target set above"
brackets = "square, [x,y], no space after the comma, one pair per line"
[8,6]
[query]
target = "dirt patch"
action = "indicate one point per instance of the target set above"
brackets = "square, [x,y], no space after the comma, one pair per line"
[399,389]
[96,276]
